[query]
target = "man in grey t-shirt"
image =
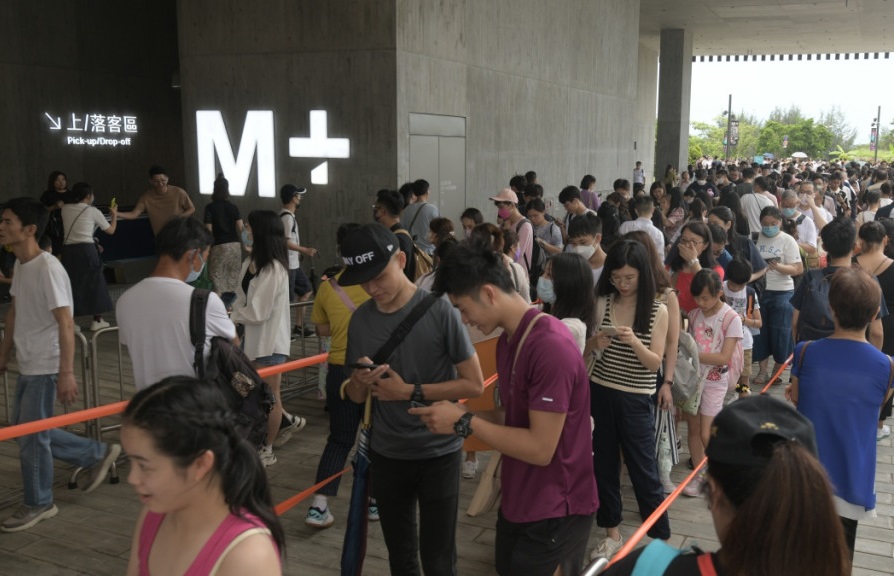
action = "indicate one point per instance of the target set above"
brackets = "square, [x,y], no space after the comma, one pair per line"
[436,361]
[418,215]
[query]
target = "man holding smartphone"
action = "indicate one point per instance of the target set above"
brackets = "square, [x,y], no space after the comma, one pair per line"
[435,361]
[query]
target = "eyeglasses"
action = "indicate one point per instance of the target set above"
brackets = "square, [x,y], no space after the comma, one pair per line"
[630,280]
[690,241]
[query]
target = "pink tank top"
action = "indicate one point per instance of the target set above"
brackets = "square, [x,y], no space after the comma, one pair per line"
[231,527]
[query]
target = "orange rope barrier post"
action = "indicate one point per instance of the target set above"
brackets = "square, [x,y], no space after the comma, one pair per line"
[287,505]
[293,365]
[672,497]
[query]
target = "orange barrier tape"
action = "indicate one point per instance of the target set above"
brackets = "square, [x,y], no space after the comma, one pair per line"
[672,497]
[11,432]
[293,365]
[286,505]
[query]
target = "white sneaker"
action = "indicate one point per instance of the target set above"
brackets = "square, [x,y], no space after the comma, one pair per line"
[98,325]
[296,423]
[317,518]
[694,488]
[25,517]
[470,469]
[607,548]
[268,458]
[882,433]
[372,513]
[668,485]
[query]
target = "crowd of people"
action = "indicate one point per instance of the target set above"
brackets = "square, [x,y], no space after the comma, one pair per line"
[591,308]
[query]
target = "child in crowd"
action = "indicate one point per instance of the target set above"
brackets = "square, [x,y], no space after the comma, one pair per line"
[716,329]
[743,299]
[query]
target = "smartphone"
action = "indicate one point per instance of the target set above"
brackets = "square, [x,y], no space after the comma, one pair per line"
[771,260]
[609,330]
[415,404]
[363,365]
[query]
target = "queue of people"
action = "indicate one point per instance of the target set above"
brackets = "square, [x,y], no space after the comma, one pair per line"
[586,384]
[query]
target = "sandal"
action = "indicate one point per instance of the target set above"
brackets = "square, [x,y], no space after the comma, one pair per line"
[761,379]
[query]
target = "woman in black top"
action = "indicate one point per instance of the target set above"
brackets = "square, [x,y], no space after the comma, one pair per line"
[223,220]
[53,198]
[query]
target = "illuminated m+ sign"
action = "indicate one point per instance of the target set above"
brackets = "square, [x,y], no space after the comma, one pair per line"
[257,137]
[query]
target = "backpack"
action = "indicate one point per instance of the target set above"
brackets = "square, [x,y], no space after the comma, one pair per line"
[538,258]
[658,556]
[815,314]
[687,375]
[424,262]
[228,367]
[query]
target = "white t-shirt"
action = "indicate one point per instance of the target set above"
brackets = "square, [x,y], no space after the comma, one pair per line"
[80,221]
[738,301]
[645,225]
[807,232]
[785,248]
[153,322]
[39,286]
[752,204]
[290,224]
[578,331]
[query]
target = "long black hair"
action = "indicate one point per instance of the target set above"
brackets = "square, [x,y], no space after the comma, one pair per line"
[631,253]
[268,239]
[573,285]
[186,417]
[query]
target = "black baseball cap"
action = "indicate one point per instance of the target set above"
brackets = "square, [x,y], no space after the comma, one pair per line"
[366,251]
[746,425]
[289,191]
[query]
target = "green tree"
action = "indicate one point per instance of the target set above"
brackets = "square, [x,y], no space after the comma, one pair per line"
[843,134]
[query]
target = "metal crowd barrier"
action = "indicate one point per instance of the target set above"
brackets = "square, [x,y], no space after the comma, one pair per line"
[293,384]
[95,382]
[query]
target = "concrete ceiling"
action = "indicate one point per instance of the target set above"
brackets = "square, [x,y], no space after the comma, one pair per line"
[722,27]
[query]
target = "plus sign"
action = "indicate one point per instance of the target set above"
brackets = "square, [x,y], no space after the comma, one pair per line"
[319,145]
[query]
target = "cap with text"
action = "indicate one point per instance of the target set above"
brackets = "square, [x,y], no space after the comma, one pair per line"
[742,431]
[366,252]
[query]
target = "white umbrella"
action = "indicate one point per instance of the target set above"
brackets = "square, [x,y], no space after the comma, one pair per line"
[799,155]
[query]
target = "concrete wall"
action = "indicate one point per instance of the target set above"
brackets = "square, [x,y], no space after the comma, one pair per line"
[646,102]
[291,57]
[103,57]
[548,86]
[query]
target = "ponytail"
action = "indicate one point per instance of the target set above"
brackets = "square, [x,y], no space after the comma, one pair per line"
[785,520]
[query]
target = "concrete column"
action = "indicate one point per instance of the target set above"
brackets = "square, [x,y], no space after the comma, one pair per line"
[674,86]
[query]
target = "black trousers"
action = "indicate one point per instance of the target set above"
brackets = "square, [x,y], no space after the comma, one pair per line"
[433,483]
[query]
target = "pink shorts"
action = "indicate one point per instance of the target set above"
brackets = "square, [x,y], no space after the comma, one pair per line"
[712,397]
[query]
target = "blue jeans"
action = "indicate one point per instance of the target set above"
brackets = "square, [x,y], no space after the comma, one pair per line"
[775,337]
[35,396]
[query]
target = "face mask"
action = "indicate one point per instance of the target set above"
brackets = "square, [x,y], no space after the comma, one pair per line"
[194,275]
[788,212]
[770,231]
[545,290]
[246,238]
[467,232]
[585,251]
[702,182]
[503,213]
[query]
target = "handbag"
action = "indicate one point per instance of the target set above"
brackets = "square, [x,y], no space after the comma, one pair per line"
[489,487]
[687,388]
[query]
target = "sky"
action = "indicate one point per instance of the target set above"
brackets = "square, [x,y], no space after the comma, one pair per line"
[855,86]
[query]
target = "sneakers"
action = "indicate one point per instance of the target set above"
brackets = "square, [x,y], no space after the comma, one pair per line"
[668,485]
[268,458]
[470,469]
[607,548]
[296,423]
[694,488]
[100,470]
[317,518]
[373,513]
[26,517]
[882,433]
[98,325]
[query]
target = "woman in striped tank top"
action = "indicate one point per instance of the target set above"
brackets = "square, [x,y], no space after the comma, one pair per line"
[630,342]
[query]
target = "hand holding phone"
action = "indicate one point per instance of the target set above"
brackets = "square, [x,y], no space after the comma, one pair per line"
[363,366]
[609,330]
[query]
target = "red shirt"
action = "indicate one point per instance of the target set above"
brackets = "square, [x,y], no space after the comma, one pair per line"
[550,376]
[684,294]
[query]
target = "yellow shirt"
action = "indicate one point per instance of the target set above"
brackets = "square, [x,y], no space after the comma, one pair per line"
[329,309]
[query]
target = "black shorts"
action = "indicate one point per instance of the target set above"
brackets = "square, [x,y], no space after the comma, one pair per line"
[538,548]
[299,285]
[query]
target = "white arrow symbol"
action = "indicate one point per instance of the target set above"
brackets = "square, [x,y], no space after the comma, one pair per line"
[319,145]
[54,124]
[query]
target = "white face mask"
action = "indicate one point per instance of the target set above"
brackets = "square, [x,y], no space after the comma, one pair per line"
[585,251]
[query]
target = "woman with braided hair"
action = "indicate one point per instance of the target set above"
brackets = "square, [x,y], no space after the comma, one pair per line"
[206,502]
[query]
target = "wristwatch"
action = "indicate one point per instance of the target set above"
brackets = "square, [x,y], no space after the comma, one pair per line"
[694,261]
[418,395]
[462,427]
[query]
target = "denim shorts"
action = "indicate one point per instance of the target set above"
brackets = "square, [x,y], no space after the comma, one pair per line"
[271,360]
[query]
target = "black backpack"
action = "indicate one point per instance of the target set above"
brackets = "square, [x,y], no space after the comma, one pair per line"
[815,314]
[538,258]
[228,367]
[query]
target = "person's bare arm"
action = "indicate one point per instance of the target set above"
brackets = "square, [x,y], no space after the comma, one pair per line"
[66,386]
[876,333]
[6,345]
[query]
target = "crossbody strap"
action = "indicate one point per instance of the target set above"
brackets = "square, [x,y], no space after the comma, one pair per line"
[413,221]
[521,342]
[342,294]
[418,311]
[198,304]
[73,225]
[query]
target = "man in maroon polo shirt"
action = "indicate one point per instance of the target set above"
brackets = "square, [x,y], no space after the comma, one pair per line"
[543,427]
